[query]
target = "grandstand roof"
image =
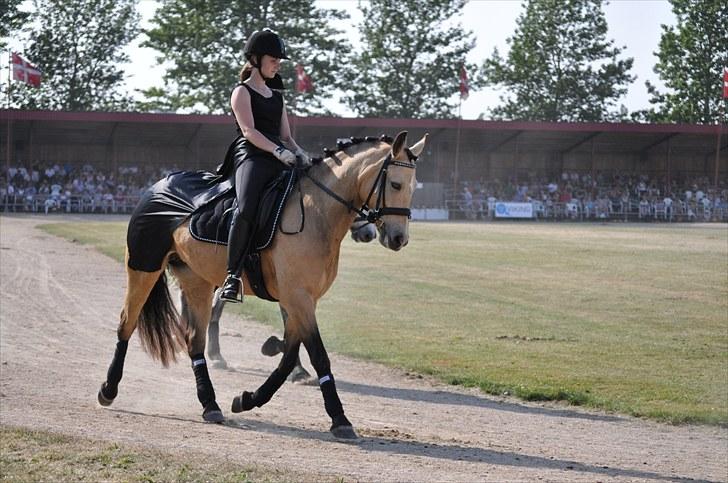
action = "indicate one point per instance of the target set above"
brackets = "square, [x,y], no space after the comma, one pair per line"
[53,127]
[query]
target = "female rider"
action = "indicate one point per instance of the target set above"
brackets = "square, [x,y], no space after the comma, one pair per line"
[262,150]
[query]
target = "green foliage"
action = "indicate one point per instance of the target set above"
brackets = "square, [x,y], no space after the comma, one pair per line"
[78,45]
[201,45]
[411,58]
[560,66]
[11,19]
[691,58]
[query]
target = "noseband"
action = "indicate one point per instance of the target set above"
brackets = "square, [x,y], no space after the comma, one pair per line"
[380,209]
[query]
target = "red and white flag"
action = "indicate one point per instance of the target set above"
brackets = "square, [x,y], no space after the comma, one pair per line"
[464,88]
[303,81]
[24,71]
[725,82]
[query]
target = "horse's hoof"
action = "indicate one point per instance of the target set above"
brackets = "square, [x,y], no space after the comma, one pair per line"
[218,363]
[215,416]
[271,347]
[244,402]
[299,375]
[103,399]
[344,432]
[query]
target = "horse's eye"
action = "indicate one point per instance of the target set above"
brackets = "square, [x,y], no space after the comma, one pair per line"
[396,186]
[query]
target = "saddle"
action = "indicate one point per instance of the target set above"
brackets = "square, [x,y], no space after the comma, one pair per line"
[208,203]
[211,223]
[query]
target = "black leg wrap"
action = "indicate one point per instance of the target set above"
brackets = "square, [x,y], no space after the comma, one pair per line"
[116,370]
[247,401]
[331,399]
[205,392]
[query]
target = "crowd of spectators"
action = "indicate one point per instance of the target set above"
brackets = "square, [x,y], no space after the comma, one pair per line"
[80,189]
[602,196]
[88,189]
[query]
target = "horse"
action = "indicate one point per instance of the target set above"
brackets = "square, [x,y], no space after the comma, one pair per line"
[298,270]
[361,230]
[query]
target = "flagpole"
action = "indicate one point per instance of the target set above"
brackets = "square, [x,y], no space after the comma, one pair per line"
[457,148]
[10,80]
[721,120]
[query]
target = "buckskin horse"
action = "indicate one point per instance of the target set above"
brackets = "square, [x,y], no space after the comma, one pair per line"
[298,270]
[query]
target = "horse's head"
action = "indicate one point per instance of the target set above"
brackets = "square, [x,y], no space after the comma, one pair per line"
[387,188]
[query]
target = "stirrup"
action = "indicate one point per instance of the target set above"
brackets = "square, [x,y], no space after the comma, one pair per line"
[232,283]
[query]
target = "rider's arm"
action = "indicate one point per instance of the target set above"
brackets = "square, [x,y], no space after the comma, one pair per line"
[240,102]
[286,137]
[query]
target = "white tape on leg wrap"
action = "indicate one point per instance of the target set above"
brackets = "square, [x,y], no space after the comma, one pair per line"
[324,379]
[198,362]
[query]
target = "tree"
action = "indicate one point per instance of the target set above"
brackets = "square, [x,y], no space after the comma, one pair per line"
[560,66]
[201,43]
[691,58]
[77,45]
[410,61]
[11,19]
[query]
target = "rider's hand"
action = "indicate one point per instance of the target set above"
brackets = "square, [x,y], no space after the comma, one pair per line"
[285,156]
[304,157]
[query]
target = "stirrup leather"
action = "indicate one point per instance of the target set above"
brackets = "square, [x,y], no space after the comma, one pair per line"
[227,288]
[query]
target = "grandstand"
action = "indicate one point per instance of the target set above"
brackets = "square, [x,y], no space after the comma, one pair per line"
[564,170]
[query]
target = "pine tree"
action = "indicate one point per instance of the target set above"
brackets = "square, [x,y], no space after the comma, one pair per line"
[410,61]
[77,45]
[201,43]
[560,66]
[691,58]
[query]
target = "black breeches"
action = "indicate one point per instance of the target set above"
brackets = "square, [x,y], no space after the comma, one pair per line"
[251,176]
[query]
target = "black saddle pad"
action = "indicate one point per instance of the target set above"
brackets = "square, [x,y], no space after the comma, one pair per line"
[162,208]
[211,222]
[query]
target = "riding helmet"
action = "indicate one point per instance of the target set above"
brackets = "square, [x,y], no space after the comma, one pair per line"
[265,42]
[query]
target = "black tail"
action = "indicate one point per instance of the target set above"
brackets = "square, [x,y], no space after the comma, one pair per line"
[159,329]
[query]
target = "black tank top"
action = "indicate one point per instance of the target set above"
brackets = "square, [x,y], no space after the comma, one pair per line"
[267,113]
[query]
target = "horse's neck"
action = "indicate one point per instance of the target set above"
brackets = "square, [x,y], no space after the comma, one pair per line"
[341,177]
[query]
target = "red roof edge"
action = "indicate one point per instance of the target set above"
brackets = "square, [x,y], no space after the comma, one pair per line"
[136,117]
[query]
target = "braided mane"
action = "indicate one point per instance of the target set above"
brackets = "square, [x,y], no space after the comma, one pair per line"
[346,143]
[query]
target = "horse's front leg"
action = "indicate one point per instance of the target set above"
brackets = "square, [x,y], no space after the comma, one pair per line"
[340,425]
[274,346]
[247,400]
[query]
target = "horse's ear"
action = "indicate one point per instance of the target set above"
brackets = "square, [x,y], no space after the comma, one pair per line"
[398,144]
[419,146]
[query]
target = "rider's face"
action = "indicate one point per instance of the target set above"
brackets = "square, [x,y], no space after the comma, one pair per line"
[269,66]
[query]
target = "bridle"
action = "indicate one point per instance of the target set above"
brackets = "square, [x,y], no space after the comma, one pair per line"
[380,208]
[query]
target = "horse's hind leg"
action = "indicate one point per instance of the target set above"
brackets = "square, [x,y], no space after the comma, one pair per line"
[196,304]
[139,286]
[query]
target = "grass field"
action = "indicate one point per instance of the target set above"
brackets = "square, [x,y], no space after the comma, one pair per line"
[629,318]
[27,455]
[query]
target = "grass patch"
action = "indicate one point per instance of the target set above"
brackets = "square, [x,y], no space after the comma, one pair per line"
[28,455]
[627,318]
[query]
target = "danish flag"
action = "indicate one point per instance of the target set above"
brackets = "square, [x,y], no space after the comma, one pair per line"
[464,87]
[24,71]
[303,81]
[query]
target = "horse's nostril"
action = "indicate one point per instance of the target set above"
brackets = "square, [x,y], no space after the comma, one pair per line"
[399,240]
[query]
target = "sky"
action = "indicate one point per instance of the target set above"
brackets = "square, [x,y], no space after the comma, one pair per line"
[633,24]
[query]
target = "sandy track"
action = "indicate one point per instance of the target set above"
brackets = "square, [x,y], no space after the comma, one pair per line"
[59,308]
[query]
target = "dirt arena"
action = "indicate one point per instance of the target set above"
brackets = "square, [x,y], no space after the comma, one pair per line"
[59,309]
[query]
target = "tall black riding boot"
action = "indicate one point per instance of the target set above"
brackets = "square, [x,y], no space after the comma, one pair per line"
[232,289]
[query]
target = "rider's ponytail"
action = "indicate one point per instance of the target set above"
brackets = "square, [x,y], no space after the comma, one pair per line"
[245,73]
